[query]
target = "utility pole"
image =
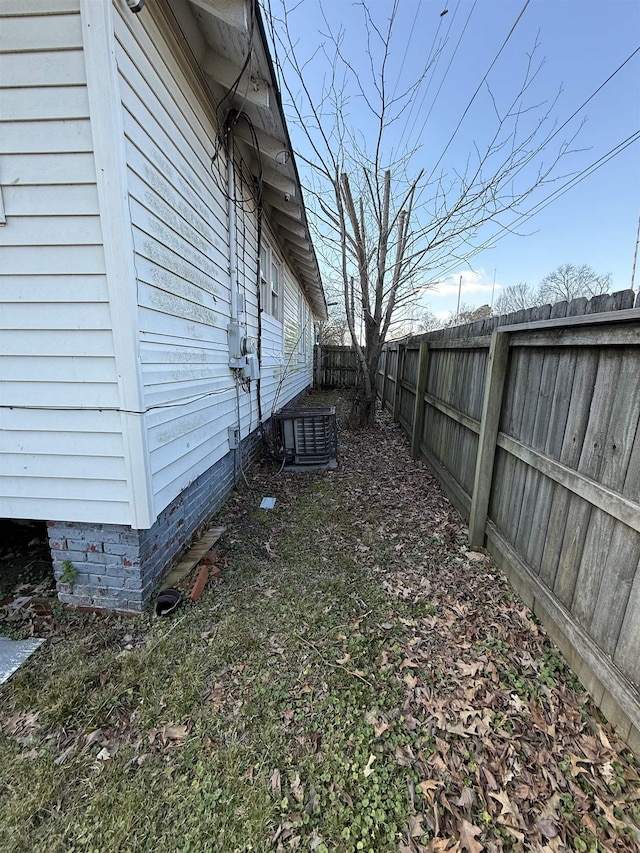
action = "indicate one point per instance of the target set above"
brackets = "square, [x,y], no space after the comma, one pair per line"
[493,289]
[459,294]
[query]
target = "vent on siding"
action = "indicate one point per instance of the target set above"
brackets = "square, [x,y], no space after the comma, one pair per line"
[308,436]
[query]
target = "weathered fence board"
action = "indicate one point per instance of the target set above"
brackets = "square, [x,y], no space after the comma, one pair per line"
[538,443]
[336,367]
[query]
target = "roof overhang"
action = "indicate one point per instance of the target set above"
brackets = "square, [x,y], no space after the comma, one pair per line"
[228,42]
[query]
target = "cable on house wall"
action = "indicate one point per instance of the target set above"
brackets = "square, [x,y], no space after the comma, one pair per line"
[234,117]
[186,402]
[232,90]
[237,453]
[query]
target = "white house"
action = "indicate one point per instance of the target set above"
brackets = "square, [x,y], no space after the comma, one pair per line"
[157,284]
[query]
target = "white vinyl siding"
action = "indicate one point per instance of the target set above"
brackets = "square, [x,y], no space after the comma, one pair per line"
[284,373]
[62,454]
[180,233]
[68,336]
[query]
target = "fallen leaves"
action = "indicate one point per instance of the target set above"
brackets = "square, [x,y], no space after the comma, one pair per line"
[467,833]
[368,770]
[405,688]
[276,782]
[21,726]
[380,726]
[175,733]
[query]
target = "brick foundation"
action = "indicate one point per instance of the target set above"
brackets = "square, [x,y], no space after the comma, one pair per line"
[115,567]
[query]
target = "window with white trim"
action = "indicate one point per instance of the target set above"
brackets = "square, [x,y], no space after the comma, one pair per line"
[270,282]
[264,289]
[276,275]
[303,330]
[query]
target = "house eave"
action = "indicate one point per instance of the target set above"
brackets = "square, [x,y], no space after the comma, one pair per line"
[228,41]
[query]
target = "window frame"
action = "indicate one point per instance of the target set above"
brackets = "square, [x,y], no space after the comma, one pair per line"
[275,288]
[303,321]
[271,281]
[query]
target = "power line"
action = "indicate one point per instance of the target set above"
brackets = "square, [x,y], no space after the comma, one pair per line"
[585,173]
[545,202]
[444,77]
[430,58]
[480,84]
[593,94]
[406,50]
[560,191]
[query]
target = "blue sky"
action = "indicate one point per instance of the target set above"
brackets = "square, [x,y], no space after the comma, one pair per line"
[582,42]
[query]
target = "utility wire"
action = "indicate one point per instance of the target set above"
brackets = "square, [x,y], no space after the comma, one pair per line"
[545,202]
[585,173]
[426,68]
[480,84]
[453,56]
[433,73]
[554,196]
[406,50]
[593,94]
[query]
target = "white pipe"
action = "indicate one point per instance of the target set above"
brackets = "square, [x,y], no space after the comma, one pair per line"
[231,206]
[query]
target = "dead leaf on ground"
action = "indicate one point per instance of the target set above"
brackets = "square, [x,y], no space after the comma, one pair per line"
[547,826]
[94,737]
[28,756]
[475,556]
[276,781]
[171,732]
[62,758]
[415,826]
[297,788]
[315,840]
[379,726]
[466,799]
[468,833]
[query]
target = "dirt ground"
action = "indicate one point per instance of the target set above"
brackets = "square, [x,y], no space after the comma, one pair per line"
[25,561]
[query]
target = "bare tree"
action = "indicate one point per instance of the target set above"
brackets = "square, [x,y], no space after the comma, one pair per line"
[429,322]
[333,333]
[515,297]
[568,282]
[469,314]
[384,226]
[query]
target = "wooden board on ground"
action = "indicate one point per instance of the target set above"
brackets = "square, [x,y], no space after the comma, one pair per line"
[193,556]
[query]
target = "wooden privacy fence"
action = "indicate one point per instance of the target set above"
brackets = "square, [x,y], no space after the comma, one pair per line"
[336,367]
[531,423]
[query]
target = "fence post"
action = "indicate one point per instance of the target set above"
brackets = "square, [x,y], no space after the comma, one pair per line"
[385,353]
[398,379]
[417,426]
[318,367]
[385,378]
[491,407]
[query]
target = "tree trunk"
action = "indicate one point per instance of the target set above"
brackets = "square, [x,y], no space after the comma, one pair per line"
[363,408]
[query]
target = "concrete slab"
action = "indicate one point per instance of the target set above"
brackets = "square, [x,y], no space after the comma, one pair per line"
[13,653]
[331,465]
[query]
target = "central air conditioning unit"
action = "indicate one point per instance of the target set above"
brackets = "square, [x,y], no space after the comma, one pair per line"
[307,436]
